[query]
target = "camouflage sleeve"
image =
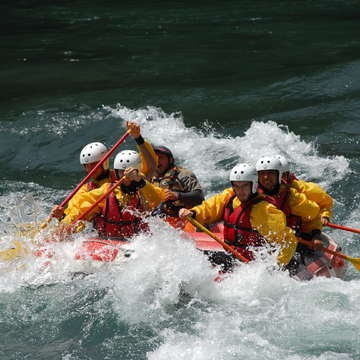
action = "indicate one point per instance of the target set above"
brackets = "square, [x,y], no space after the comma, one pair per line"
[189,180]
[193,194]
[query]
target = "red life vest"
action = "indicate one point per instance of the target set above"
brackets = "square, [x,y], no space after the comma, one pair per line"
[281,201]
[237,227]
[120,223]
[113,178]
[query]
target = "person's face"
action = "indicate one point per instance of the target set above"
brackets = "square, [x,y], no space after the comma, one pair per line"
[242,189]
[268,179]
[99,171]
[120,174]
[163,163]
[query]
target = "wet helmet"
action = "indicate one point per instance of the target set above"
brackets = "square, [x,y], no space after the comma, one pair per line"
[92,153]
[269,163]
[244,172]
[125,159]
[161,149]
[284,163]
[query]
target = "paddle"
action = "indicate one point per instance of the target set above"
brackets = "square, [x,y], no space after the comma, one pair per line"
[354,261]
[343,228]
[221,242]
[88,176]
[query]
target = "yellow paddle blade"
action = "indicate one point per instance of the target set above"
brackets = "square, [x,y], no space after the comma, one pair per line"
[354,261]
[13,253]
[31,229]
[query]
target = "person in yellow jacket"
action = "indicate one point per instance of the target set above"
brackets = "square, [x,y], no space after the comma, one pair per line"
[299,210]
[249,220]
[90,156]
[123,213]
[134,187]
[312,191]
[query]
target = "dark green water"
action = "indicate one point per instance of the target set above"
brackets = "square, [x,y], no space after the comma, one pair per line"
[217,81]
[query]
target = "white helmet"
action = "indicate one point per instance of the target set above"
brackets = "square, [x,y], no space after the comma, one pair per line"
[126,158]
[244,172]
[92,153]
[284,163]
[269,163]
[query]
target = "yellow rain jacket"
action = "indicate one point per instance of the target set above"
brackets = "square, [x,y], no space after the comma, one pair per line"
[150,195]
[308,210]
[315,193]
[269,221]
[73,203]
[149,159]
[301,206]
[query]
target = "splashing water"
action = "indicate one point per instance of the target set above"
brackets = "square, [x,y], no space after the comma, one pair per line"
[162,302]
[211,156]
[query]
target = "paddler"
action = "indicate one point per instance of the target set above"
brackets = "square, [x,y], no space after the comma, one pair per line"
[92,153]
[122,214]
[299,210]
[182,188]
[314,193]
[249,220]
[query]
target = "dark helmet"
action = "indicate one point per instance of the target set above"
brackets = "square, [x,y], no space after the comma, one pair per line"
[166,151]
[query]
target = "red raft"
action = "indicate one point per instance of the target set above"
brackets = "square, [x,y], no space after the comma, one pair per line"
[94,249]
[314,264]
[99,250]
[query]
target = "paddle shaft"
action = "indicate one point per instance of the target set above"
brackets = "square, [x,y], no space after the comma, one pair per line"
[102,197]
[89,175]
[343,228]
[335,253]
[221,242]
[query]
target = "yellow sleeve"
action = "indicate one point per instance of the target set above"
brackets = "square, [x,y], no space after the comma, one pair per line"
[152,195]
[301,206]
[149,159]
[71,210]
[270,222]
[315,193]
[83,202]
[314,224]
[212,209]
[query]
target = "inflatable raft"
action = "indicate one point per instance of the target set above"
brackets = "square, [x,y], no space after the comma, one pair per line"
[314,263]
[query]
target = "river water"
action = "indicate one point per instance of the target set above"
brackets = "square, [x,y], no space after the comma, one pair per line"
[219,83]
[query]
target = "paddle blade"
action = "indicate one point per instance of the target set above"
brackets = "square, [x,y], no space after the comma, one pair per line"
[354,261]
[13,253]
